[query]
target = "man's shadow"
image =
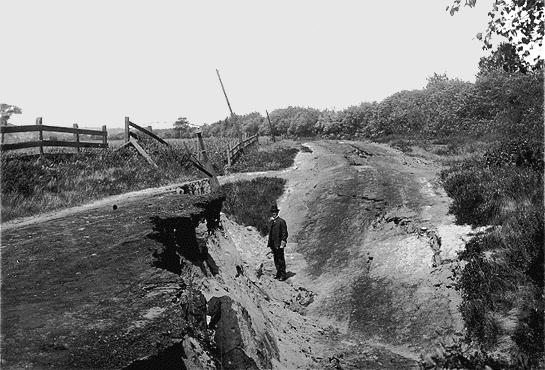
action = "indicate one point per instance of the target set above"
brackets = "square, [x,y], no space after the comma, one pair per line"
[180,242]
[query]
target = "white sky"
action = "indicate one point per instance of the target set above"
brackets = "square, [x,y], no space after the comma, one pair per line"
[95,62]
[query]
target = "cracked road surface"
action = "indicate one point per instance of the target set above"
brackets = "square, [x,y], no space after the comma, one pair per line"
[354,210]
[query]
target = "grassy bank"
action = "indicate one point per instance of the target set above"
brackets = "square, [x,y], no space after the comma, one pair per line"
[275,156]
[35,184]
[502,282]
[249,202]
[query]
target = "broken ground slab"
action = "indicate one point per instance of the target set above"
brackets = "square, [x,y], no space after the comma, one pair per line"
[257,320]
[86,291]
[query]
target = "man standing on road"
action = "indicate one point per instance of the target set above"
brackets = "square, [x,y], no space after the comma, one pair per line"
[278,234]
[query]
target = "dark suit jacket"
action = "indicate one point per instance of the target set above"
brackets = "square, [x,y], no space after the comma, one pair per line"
[278,231]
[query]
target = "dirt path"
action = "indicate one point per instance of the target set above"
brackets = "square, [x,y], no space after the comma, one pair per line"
[354,212]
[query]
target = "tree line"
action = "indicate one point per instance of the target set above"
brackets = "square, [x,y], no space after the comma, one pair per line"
[505,99]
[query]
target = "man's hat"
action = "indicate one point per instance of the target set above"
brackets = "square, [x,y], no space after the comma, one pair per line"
[274,208]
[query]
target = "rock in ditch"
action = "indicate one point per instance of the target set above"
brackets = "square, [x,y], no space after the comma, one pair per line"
[240,344]
[195,357]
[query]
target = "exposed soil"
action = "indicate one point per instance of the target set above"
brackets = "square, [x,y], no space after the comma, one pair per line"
[354,212]
[90,290]
[383,289]
[368,287]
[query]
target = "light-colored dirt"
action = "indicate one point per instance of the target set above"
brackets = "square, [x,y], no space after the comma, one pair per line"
[375,281]
[355,212]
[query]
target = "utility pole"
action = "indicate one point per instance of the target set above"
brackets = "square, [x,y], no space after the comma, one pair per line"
[271,127]
[233,117]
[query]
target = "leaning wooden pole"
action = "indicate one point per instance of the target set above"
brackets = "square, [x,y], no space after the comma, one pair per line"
[233,116]
[224,93]
[271,127]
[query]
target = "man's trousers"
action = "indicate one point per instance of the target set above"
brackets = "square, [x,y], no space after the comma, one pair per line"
[279,261]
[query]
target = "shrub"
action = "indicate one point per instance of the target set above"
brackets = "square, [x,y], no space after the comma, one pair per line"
[249,202]
[266,160]
[519,152]
[504,273]
[481,191]
[403,145]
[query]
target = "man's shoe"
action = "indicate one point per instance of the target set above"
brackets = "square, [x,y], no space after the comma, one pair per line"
[283,278]
[277,276]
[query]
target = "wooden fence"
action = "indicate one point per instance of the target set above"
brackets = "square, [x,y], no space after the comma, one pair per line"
[41,143]
[234,153]
[234,150]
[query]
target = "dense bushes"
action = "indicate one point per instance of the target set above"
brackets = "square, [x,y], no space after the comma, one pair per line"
[519,152]
[484,189]
[498,104]
[502,282]
[249,202]
[482,195]
[266,160]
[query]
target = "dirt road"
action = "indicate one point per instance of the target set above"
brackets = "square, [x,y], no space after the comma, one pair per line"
[354,212]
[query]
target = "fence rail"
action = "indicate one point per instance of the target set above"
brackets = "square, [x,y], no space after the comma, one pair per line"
[147,132]
[41,143]
[36,128]
[51,143]
[234,153]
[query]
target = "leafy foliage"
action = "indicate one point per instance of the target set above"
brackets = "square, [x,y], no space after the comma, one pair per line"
[183,128]
[500,103]
[504,58]
[518,152]
[250,123]
[249,202]
[503,277]
[6,110]
[521,22]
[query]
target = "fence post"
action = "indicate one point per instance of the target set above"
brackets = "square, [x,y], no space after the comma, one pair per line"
[40,134]
[76,138]
[197,150]
[201,147]
[105,136]
[213,180]
[127,137]
[229,154]
[270,127]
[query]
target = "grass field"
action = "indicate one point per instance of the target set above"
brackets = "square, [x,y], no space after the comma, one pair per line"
[33,184]
[270,157]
